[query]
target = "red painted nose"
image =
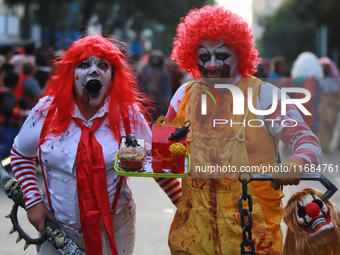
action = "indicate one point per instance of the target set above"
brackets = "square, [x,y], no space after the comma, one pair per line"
[312,209]
[213,68]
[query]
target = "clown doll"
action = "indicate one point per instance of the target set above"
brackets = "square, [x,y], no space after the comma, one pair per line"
[90,103]
[215,46]
[313,224]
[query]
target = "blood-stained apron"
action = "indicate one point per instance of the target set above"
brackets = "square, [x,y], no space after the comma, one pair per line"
[207,217]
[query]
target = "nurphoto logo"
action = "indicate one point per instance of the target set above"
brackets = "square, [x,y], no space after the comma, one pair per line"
[238,104]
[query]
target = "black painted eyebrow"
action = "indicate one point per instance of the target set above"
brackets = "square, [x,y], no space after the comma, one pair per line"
[199,47]
[86,61]
[90,60]
[222,46]
[103,59]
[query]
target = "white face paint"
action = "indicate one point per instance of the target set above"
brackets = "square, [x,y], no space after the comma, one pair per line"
[313,215]
[92,80]
[217,60]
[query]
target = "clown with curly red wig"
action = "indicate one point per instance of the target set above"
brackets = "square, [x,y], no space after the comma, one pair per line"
[216,48]
[92,100]
[214,25]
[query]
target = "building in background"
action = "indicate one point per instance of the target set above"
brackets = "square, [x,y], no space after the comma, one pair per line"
[10,26]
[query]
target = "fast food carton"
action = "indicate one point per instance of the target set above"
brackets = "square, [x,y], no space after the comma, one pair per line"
[161,131]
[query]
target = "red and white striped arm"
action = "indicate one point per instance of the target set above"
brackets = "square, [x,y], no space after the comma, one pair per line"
[24,170]
[171,187]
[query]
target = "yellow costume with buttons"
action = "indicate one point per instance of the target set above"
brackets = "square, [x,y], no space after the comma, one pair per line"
[207,220]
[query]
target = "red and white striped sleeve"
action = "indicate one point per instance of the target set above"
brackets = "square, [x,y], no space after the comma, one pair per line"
[24,151]
[175,101]
[295,134]
[24,170]
[172,186]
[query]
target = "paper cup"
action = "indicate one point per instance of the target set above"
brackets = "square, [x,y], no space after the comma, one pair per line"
[177,164]
[157,165]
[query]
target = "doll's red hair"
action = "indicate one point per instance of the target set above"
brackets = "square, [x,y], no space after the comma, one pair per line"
[215,24]
[124,91]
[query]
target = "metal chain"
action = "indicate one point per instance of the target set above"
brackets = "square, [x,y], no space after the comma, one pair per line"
[246,228]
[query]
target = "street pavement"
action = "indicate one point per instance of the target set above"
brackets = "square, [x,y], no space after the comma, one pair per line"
[154,216]
[154,212]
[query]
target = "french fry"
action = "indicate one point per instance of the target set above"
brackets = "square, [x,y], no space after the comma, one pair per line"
[177,149]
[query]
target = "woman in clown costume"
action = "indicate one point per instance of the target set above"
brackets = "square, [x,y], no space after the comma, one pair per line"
[75,129]
[215,46]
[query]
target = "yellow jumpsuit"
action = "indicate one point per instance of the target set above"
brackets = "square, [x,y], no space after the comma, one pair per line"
[207,220]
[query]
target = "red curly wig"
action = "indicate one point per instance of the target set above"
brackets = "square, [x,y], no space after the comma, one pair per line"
[216,24]
[124,91]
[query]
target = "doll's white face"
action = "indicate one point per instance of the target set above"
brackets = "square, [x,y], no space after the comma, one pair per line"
[217,60]
[92,80]
[313,215]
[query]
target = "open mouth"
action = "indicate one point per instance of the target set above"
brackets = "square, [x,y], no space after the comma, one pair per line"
[319,223]
[211,75]
[93,88]
[224,72]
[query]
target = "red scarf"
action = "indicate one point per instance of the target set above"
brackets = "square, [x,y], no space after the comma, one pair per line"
[93,197]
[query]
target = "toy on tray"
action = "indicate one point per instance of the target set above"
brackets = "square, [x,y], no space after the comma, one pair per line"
[131,155]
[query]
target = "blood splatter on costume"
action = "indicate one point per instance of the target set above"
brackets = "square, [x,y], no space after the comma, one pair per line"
[91,102]
[213,43]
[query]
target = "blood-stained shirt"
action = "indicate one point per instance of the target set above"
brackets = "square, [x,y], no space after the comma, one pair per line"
[299,138]
[58,158]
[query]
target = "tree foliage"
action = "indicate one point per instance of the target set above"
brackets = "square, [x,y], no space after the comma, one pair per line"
[286,35]
[53,14]
[322,13]
[292,29]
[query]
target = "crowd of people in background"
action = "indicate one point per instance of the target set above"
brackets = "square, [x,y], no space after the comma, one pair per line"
[321,77]
[25,72]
